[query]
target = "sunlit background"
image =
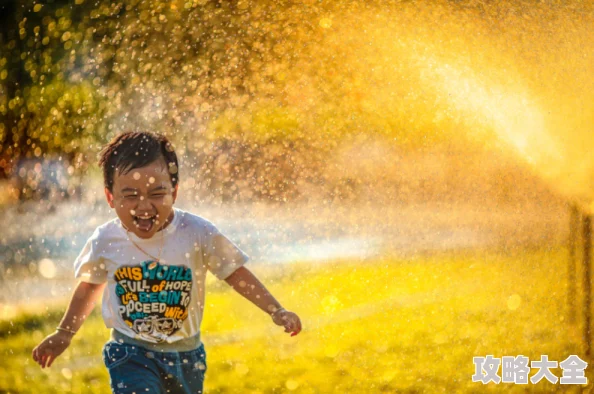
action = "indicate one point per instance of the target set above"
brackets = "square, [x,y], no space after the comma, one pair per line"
[400,172]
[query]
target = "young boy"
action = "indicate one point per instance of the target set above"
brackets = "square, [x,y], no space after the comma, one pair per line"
[150,264]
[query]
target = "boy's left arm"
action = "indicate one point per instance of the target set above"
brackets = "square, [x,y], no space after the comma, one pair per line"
[246,284]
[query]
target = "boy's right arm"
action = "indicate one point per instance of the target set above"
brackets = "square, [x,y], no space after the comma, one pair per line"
[83,301]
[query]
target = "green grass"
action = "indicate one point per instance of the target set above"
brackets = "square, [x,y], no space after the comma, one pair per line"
[385,325]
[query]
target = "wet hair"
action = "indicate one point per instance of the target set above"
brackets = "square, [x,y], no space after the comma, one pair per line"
[136,149]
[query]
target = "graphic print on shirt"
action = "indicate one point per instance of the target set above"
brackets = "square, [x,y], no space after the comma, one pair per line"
[154,298]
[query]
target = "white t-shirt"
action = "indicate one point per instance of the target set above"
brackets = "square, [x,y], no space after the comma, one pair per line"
[157,302]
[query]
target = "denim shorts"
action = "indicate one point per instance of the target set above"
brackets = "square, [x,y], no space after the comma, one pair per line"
[134,369]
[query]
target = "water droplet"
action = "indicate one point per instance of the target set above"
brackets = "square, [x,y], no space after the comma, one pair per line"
[514,301]
[47,268]
[325,23]
[67,373]
[291,384]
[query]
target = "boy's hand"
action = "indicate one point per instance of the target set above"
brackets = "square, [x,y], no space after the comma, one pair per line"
[289,320]
[51,347]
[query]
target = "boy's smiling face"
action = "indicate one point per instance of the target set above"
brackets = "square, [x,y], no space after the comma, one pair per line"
[143,198]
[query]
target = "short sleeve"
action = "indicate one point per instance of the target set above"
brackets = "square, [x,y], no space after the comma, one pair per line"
[89,266]
[221,255]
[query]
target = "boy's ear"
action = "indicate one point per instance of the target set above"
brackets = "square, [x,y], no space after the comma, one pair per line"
[174,194]
[109,197]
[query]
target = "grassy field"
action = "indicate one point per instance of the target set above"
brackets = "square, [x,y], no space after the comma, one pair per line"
[385,325]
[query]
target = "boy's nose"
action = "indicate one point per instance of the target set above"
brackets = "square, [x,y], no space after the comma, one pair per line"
[143,206]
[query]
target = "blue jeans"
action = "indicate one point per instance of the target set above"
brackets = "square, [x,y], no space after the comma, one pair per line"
[134,369]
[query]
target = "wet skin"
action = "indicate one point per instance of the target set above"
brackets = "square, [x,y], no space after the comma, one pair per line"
[143,198]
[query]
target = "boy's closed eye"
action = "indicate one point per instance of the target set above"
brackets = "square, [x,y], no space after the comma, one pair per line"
[159,189]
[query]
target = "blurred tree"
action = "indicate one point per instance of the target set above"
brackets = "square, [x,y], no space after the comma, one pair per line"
[75,73]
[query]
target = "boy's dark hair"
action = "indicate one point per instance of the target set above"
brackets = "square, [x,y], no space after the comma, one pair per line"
[136,149]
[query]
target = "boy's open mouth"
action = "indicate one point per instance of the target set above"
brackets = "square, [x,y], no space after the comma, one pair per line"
[145,222]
